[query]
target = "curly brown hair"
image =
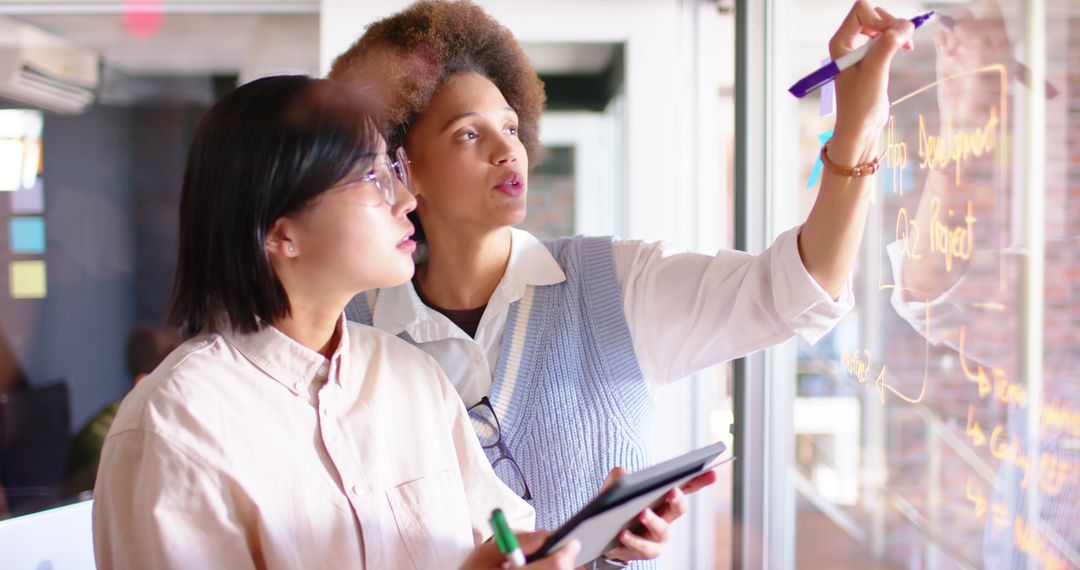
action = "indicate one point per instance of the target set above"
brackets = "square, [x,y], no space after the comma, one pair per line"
[407,56]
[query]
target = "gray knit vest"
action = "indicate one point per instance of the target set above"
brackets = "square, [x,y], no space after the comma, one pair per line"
[568,392]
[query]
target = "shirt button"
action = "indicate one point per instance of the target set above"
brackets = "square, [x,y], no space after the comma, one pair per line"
[326,412]
[298,386]
[356,490]
[323,370]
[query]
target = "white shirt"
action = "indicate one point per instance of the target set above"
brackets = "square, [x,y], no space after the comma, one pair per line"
[252,451]
[686,311]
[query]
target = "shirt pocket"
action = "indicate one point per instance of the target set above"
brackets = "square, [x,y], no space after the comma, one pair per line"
[433,518]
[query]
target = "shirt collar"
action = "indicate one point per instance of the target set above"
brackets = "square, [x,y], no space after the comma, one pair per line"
[531,263]
[399,309]
[288,362]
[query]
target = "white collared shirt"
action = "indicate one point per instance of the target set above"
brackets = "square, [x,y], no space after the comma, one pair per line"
[686,311]
[252,451]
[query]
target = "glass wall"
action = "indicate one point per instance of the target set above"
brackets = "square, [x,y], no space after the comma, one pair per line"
[938,426]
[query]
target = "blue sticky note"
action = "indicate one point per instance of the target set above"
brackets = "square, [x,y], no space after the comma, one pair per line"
[816,172]
[28,235]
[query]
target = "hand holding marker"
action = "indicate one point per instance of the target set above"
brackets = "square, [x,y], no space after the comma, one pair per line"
[506,540]
[829,71]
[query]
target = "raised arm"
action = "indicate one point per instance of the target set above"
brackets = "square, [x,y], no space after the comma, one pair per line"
[831,235]
[689,311]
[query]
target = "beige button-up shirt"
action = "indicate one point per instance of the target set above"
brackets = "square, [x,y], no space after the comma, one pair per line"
[252,451]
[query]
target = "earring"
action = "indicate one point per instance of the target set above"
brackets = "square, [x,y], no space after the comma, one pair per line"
[292,249]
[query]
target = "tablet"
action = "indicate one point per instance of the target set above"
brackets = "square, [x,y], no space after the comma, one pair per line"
[598,524]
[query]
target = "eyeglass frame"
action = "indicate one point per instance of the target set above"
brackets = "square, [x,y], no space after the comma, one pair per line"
[503,449]
[398,167]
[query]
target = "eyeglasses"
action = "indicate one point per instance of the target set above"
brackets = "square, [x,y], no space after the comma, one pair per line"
[486,424]
[380,174]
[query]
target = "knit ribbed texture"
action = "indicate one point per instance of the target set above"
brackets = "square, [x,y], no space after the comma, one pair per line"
[569,394]
[362,306]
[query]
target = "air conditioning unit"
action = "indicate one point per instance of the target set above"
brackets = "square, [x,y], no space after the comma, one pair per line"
[45,71]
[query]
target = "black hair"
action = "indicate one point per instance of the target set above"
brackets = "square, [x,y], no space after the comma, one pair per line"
[264,151]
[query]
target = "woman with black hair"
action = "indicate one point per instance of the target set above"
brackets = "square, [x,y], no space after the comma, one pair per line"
[280,436]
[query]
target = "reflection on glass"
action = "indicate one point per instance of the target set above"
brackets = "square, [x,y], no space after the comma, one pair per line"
[959,459]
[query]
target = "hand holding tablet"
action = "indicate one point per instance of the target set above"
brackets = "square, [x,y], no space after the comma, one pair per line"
[597,525]
[647,538]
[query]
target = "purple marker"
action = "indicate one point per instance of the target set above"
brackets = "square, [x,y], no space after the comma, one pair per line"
[829,71]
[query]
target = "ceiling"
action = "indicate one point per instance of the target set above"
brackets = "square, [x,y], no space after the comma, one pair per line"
[196,44]
[249,45]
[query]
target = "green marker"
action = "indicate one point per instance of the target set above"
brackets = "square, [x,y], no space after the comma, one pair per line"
[506,540]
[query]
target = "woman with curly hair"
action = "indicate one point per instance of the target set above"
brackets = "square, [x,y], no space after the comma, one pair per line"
[561,345]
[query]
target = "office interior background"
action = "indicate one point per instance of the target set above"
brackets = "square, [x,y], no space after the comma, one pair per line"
[938,426]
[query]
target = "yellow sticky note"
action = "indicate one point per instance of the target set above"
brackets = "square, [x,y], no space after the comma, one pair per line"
[28,279]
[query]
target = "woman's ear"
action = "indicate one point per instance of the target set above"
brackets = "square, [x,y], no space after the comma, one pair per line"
[279,240]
